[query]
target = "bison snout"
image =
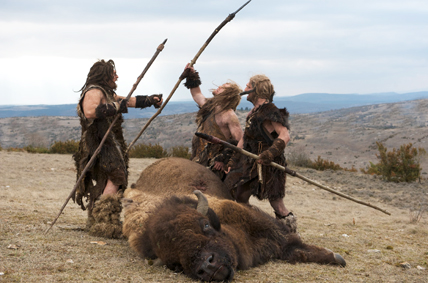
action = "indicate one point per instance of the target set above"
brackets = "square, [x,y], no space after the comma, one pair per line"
[213,269]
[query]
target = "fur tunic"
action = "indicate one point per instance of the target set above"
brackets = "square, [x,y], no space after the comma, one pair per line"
[256,140]
[111,162]
[204,152]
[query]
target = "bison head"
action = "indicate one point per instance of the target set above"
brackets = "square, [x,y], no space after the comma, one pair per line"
[186,235]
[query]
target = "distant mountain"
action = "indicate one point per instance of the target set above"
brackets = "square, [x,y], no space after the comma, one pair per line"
[319,102]
[298,104]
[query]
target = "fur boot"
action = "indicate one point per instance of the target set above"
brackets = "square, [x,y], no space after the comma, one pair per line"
[90,221]
[106,214]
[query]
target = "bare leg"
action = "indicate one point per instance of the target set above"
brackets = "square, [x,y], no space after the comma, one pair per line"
[243,194]
[110,188]
[279,207]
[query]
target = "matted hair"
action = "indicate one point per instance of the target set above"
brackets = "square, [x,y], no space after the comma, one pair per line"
[101,73]
[263,86]
[228,99]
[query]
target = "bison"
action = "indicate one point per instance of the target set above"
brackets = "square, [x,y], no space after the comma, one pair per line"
[210,237]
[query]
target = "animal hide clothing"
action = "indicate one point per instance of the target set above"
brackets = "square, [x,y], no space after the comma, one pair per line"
[257,140]
[110,164]
[192,79]
[206,153]
[106,214]
[143,101]
[111,109]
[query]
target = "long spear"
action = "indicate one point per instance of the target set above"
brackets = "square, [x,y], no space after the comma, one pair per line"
[97,151]
[287,170]
[183,75]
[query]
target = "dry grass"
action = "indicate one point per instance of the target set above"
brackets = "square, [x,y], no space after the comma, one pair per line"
[33,187]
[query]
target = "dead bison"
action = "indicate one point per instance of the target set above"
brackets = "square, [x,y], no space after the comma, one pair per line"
[178,176]
[210,238]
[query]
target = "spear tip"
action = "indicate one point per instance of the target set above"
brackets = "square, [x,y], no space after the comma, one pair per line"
[165,41]
[233,14]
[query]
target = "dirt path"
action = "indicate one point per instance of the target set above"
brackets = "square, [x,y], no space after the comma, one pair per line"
[33,187]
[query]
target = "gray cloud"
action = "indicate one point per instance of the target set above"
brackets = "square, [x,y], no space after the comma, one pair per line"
[304,46]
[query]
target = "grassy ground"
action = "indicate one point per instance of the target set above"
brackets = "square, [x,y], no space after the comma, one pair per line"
[33,188]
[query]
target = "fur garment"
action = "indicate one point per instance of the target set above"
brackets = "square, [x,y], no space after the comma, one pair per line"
[110,164]
[257,140]
[106,214]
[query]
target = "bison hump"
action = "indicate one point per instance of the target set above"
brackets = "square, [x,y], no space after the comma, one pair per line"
[179,176]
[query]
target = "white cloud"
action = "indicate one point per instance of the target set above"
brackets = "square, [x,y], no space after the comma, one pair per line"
[304,46]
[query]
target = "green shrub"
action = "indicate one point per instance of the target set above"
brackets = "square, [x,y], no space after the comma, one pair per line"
[67,147]
[180,151]
[148,151]
[32,149]
[398,165]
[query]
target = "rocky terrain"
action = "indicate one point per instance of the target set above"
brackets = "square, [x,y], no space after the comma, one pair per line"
[345,136]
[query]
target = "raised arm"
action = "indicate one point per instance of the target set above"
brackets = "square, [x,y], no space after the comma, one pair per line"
[193,82]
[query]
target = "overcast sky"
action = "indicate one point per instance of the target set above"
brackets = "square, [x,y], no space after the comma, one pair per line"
[333,46]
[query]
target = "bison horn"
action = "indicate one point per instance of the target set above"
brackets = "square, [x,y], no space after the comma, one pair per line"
[202,203]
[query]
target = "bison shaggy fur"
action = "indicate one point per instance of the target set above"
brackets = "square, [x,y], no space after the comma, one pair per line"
[210,244]
[178,176]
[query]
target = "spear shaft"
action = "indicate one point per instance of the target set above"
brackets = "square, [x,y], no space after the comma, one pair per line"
[182,76]
[287,170]
[97,151]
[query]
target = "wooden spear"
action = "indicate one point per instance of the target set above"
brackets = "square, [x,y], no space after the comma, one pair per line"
[287,170]
[183,75]
[97,151]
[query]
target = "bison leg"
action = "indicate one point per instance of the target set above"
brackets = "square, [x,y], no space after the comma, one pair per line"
[297,251]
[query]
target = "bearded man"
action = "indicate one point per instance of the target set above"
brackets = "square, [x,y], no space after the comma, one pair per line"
[216,117]
[266,134]
[107,178]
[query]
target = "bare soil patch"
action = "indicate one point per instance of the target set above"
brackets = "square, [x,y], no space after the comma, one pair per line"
[33,187]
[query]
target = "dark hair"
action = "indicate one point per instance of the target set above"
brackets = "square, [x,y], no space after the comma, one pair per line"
[101,73]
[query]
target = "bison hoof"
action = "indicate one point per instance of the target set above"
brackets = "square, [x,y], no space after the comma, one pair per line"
[339,260]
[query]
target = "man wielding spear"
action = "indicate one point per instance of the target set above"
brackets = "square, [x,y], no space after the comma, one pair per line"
[107,178]
[216,117]
[266,134]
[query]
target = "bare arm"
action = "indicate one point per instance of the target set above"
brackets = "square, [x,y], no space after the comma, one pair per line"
[278,145]
[281,131]
[234,130]
[131,101]
[93,98]
[234,126]
[196,92]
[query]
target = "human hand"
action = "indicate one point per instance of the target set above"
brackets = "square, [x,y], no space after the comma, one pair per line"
[266,157]
[218,165]
[156,100]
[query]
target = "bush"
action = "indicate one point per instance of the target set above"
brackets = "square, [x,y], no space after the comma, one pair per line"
[180,151]
[299,158]
[321,164]
[148,151]
[32,149]
[400,165]
[67,147]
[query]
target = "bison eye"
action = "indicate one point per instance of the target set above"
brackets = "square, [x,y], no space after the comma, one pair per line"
[205,225]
